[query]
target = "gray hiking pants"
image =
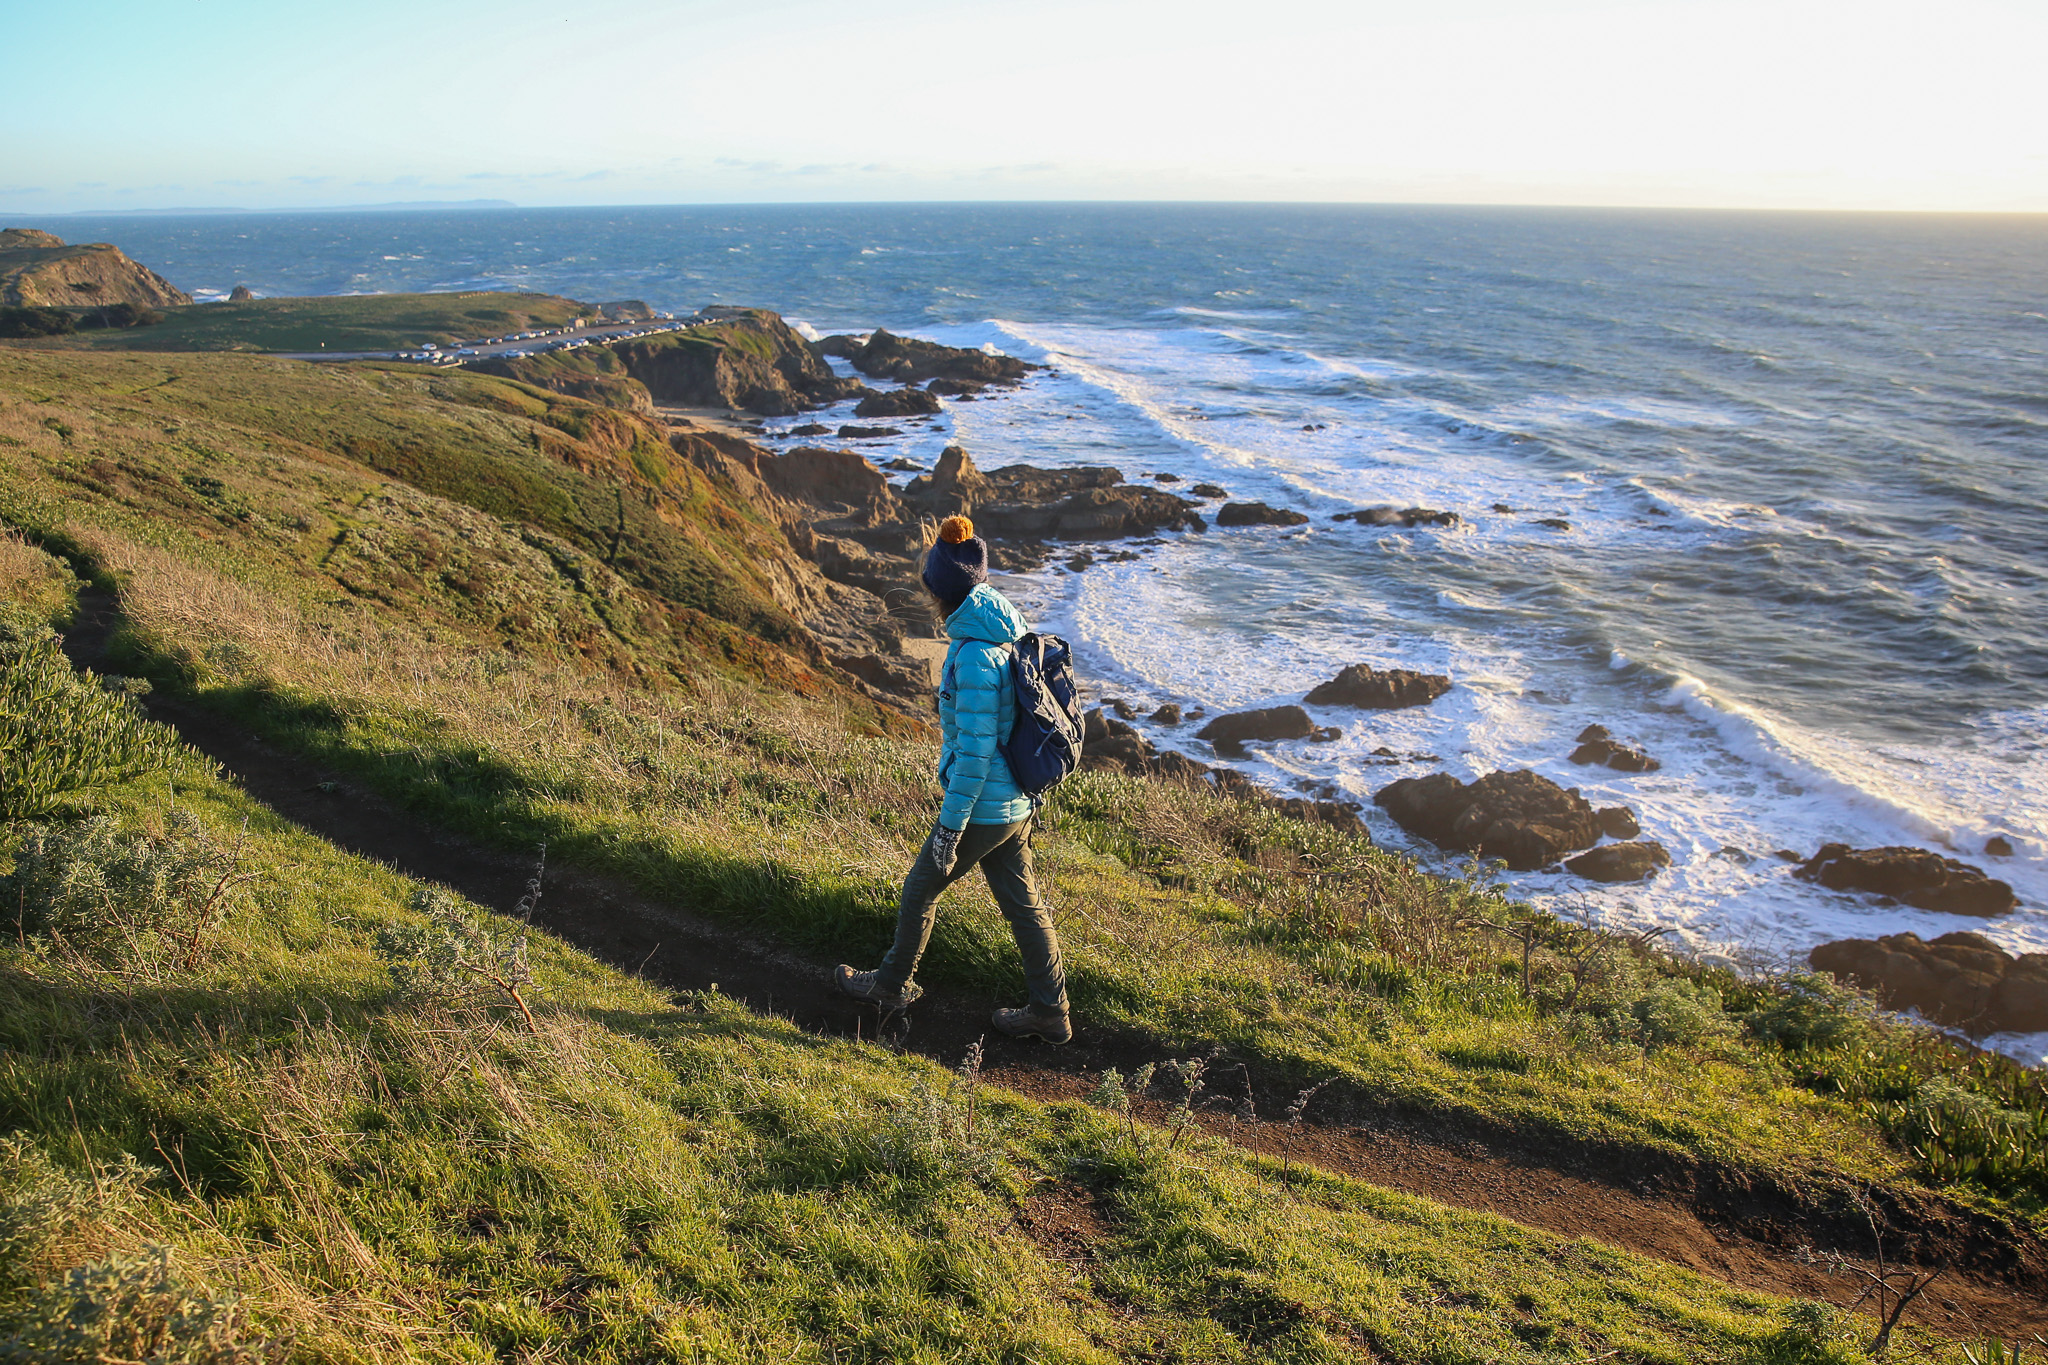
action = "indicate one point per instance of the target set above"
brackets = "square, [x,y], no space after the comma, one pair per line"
[1004,854]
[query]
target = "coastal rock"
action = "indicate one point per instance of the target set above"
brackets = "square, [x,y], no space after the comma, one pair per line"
[1169,714]
[1028,483]
[841,347]
[953,486]
[1597,747]
[1913,876]
[852,433]
[907,361]
[955,388]
[1093,514]
[1962,979]
[840,481]
[38,270]
[740,358]
[1998,846]
[1229,733]
[811,429]
[240,294]
[1399,516]
[897,403]
[1554,523]
[1210,490]
[1376,689]
[1258,514]
[1519,817]
[1108,743]
[1163,477]
[1618,822]
[1629,862]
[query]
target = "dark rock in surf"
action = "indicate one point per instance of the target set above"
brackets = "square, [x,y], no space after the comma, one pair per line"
[1168,714]
[1399,516]
[1629,862]
[240,294]
[1914,876]
[1599,748]
[1962,979]
[908,361]
[1998,846]
[1258,514]
[955,388]
[1230,733]
[1618,822]
[867,433]
[1519,817]
[1376,689]
[897,403]
[1210,490]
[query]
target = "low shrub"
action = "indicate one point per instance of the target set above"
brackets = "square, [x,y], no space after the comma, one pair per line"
[1809,1011]
[455,955]
[64,733]
[35,322]
[122,896]
[130,1309]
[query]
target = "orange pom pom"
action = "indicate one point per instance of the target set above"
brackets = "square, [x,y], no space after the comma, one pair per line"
[956,530]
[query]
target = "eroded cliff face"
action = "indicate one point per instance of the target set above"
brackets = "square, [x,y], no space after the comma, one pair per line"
[39,270]
[747,359]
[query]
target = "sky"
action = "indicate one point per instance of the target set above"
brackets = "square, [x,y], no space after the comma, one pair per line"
[1812,104]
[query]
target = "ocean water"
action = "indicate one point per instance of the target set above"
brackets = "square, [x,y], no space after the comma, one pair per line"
[1803,459]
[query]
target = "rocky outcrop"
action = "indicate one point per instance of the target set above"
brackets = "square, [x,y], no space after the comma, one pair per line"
[953,486]
[37,270]
[1210,491]
[1376,689]
[1618,822]
[1525,820]
[1399,516]
[739,358]
[906,360]
[897,403]
[1961,979]
[1230,733]
[1257,514]
[1092,514]
[240,294]
[1912,876]
[955,388]
[852,433]
[1597,747]
[1629,862]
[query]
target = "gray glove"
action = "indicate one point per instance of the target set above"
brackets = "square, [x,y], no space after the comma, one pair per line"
[945,847]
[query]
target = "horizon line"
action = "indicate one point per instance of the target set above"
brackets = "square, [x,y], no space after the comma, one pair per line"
[504,206]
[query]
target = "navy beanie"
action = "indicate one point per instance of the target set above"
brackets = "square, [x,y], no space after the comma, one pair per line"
[956,564]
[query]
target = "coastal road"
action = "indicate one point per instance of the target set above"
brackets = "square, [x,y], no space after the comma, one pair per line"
[477,350]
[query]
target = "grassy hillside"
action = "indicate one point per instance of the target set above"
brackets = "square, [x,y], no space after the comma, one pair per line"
[400,578]
[365,322]
[281,1121]
[635,558]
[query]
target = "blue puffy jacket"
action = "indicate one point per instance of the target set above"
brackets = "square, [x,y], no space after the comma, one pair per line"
[977,707]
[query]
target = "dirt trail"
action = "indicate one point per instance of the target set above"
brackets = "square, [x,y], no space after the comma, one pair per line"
[1722,1227]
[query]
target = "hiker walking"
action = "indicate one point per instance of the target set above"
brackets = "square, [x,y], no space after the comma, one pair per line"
[986,816]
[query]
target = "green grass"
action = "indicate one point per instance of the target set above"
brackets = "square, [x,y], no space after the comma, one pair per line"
[639,1177]
[362,322]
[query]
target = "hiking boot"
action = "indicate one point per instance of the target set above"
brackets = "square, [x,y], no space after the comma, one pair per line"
[1034,1021]
[862,986]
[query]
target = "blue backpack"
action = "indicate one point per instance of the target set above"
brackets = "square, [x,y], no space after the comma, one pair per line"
[1045,743]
